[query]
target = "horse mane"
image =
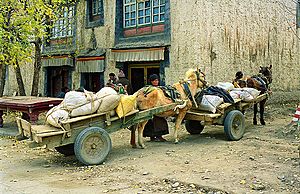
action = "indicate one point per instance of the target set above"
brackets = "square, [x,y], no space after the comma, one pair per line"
[190,74]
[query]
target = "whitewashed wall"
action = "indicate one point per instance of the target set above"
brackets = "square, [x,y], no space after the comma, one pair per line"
[224,36]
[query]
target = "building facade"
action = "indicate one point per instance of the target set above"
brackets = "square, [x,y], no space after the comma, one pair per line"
[166,37]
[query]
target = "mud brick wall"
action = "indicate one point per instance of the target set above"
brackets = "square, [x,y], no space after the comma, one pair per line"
[225,36]
[104,35]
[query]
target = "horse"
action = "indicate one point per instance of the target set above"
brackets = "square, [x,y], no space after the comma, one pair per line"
[261,82]
[187,88]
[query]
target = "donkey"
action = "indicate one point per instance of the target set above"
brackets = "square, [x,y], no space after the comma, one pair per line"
[260,82]
[195,79]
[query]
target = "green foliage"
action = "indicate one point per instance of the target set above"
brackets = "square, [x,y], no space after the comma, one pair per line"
[22,22]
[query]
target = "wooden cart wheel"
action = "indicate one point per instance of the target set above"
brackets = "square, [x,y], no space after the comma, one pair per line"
[194,127]
[67,150]
[92,145]
[234,125]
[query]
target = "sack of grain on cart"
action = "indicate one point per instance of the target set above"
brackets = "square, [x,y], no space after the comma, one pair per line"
[83,103]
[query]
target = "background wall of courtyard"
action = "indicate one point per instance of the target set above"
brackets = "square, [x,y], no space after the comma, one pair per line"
[225,36]
[11,84]
[221,37]
[104,36]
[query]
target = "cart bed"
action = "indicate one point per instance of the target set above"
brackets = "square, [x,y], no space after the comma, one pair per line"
[212,118]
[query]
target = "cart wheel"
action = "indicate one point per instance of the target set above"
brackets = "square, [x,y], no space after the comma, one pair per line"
[67,150]
[193,127]
[234,125]
[92,145]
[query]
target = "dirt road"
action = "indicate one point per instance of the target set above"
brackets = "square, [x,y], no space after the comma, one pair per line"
[265,160]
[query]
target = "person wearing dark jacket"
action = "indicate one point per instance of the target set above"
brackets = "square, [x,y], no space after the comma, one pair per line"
[158,126]
[63,92]
[125,82]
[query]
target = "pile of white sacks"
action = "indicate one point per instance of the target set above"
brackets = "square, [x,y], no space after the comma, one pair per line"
[83,103]
[211,102]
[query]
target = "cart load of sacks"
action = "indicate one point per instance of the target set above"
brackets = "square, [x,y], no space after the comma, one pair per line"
[224,92]
[84,103]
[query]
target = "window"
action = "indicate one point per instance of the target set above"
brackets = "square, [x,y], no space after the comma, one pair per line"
[95,14]
[143,12]
[96,9]
[63,27]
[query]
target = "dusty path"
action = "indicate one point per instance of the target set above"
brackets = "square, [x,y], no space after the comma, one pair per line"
[264,161]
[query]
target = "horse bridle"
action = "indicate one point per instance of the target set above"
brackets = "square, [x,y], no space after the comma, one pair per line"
[200,78]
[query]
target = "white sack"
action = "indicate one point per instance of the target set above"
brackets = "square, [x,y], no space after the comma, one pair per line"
[109,103]
[235,94]
[210,103]
[247,94]
[225,85]
[74,99]
[55,115]
[105,91]
[89,108]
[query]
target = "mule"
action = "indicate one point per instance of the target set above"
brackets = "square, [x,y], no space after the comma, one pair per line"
[194,80]
[260,82]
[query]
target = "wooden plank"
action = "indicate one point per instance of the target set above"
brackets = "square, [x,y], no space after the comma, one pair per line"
[207,117]
[156,110]
[53,133]
[44,128]
[84,117]
[128,114]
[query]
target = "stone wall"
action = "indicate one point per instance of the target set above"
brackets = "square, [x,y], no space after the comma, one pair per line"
[104,35]
[221,37]
[11,84]
[225,36]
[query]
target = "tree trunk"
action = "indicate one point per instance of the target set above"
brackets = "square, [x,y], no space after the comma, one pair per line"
[19,79]
[37,68]
[2,78]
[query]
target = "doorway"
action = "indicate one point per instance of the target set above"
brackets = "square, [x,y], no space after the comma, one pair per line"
[57,78]
[92,81]
[138,74]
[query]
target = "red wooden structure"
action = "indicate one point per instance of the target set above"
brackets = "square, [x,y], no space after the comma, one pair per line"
[30,106]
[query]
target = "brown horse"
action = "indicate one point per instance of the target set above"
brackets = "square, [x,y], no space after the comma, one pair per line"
[260,82]
[194,80]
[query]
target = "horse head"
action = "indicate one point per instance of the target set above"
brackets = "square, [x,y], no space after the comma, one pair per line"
[267,72]
[197,76]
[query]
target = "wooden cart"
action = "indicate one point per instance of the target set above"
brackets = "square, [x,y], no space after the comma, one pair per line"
[229,115]
[86,136]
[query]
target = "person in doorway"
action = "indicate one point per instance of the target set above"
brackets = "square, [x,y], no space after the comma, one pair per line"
[112,79]
[63,92]
[158,126]
[125,82]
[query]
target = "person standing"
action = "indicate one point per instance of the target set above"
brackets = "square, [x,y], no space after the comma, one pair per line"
[63,92]
[112,79]
[158,126]
[125,82]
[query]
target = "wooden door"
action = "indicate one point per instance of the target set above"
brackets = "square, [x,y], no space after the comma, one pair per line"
[139,74]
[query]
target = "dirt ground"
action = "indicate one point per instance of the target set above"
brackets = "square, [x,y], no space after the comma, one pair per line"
[265,160]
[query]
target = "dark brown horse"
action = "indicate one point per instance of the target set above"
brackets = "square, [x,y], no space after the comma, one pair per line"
[260,82]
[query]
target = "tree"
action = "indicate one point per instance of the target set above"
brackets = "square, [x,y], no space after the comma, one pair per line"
[23,22]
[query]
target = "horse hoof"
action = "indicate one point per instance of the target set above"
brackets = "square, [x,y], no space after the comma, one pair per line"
[254,122]
[134,146]
[143,146]
[262,122]
[176,141]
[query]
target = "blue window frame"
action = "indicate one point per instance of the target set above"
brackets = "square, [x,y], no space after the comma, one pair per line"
[95,13]
[143,12]
[64,25]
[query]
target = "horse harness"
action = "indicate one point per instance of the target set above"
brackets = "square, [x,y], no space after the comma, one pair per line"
[187,90]
[169,91]
[260,79]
